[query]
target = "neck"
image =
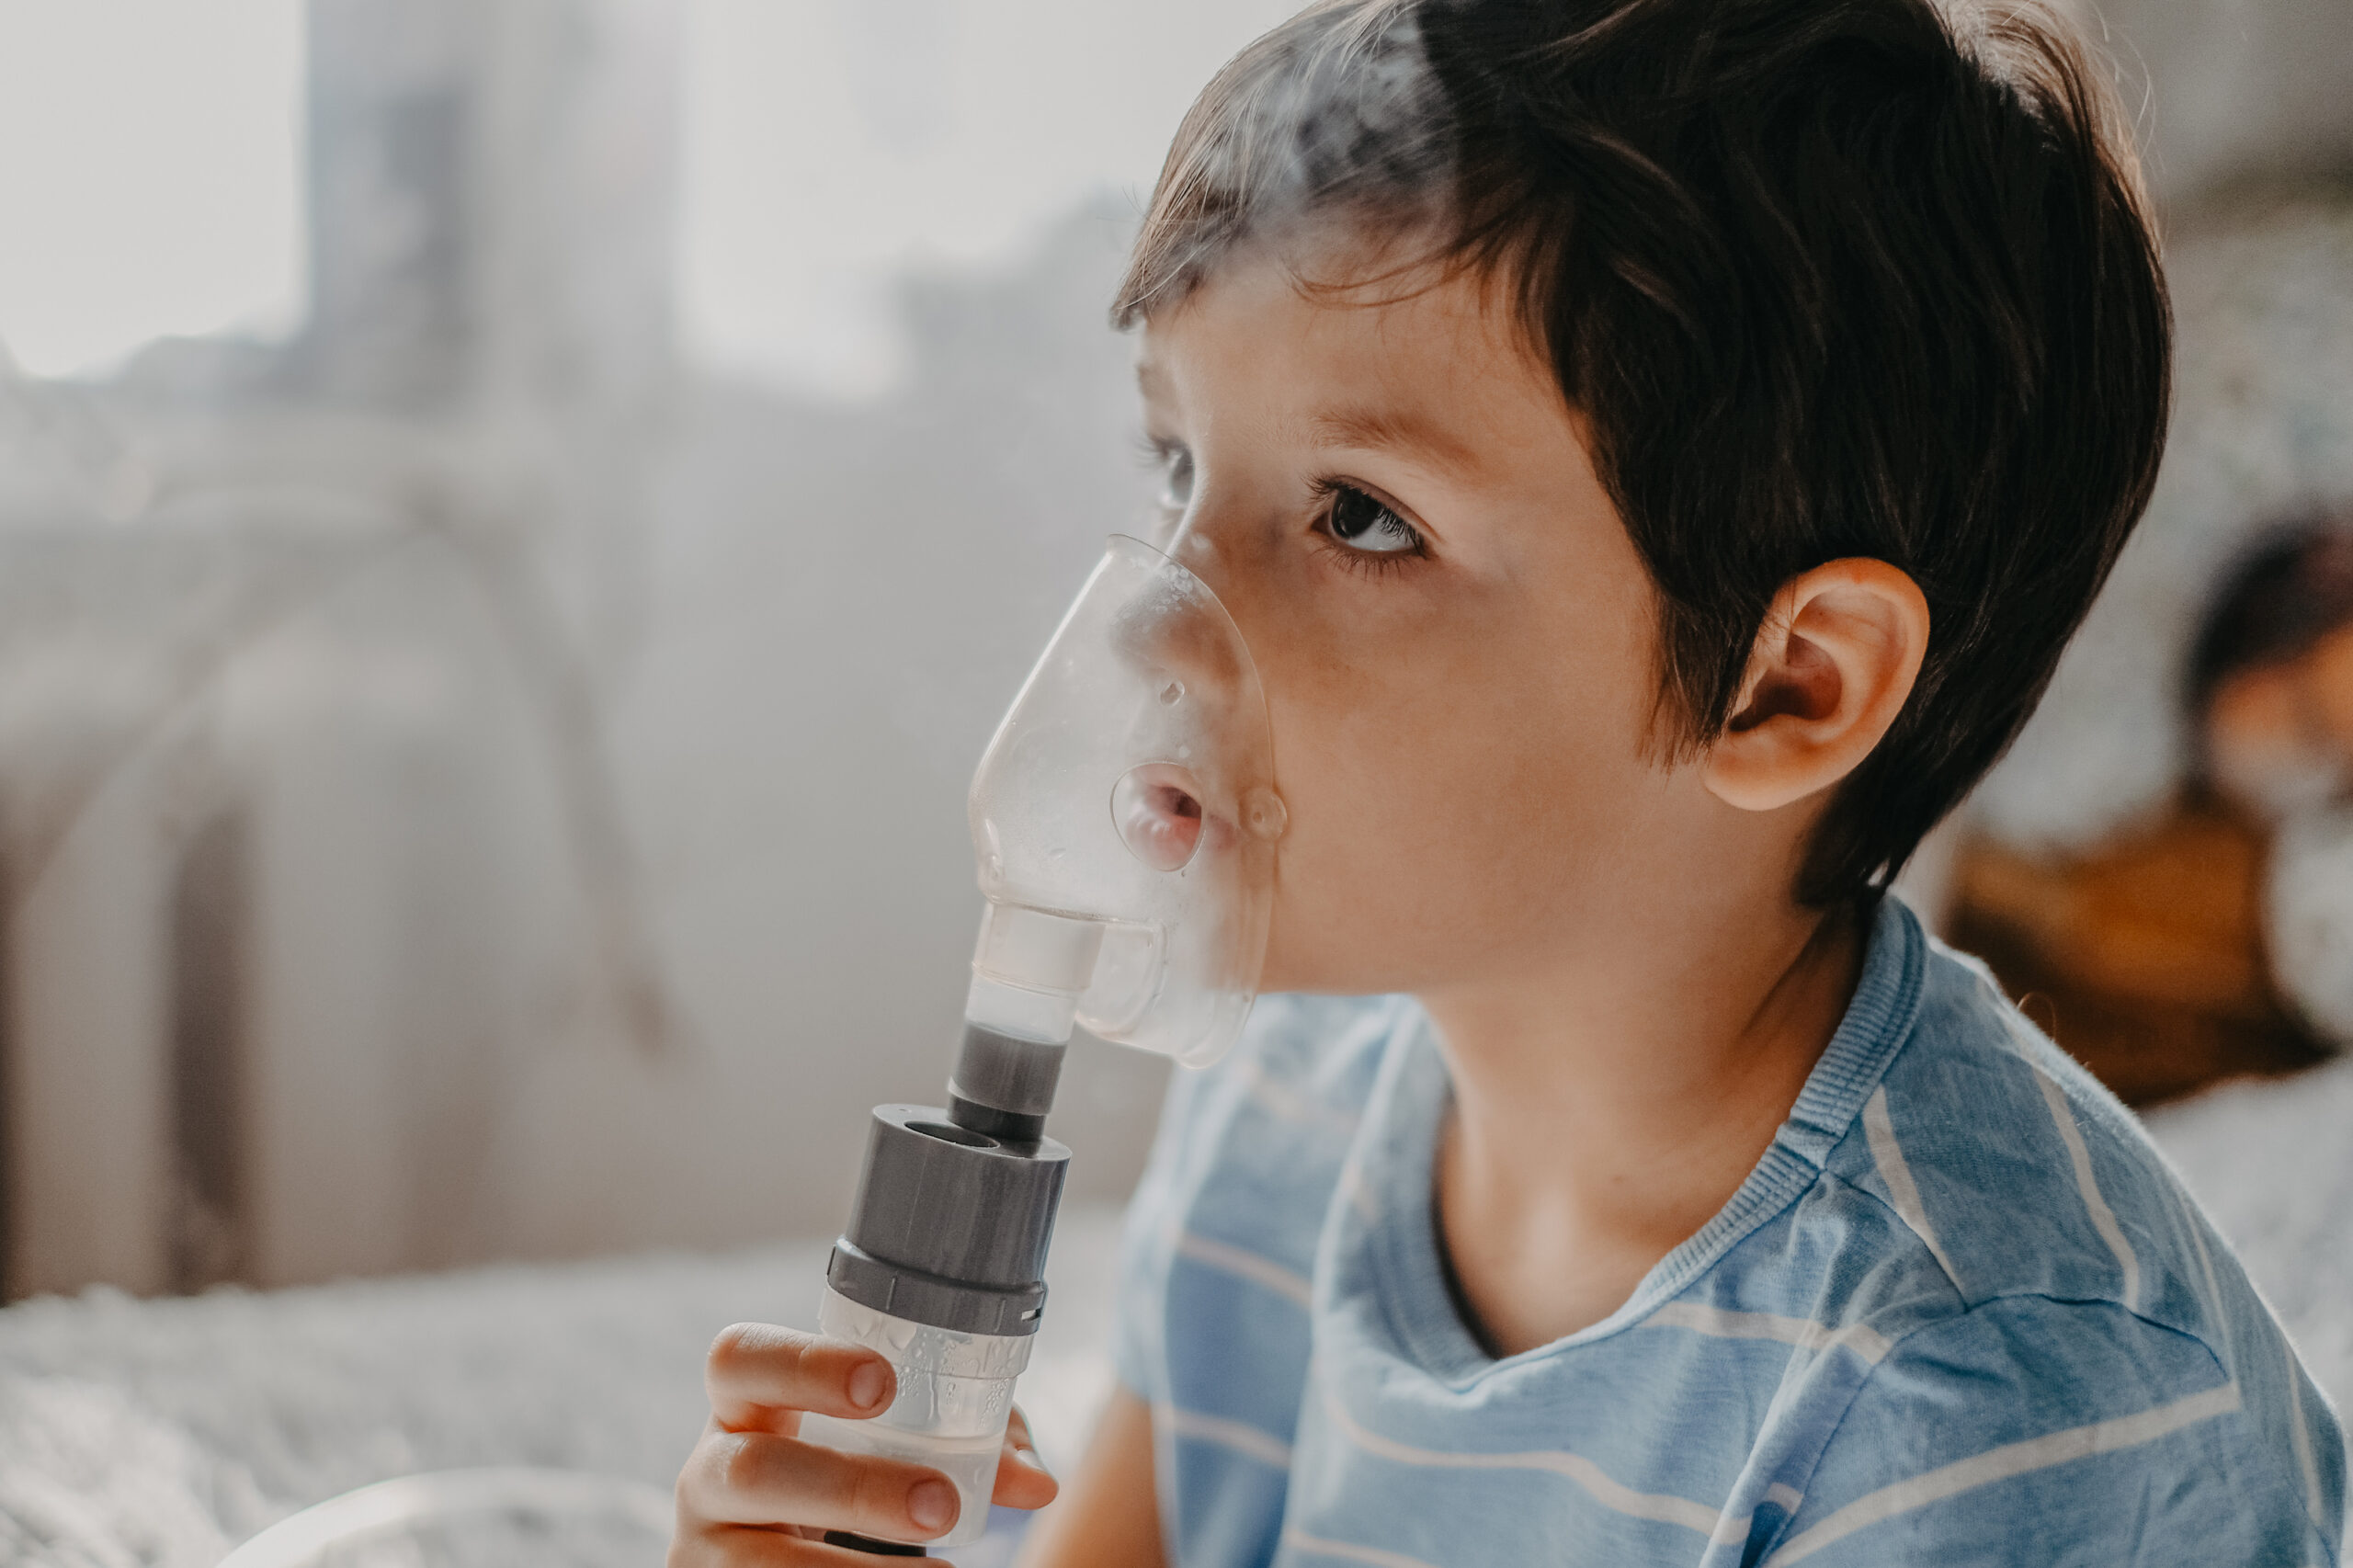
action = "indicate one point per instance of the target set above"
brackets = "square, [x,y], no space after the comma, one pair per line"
[1606,1110]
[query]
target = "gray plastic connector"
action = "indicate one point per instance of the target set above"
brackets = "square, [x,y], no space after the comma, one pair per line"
[1004,1085]
[949,1226]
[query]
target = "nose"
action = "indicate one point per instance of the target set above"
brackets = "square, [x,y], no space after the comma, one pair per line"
[1206,714]
[1229,543]
[1204,546]
[1177,632]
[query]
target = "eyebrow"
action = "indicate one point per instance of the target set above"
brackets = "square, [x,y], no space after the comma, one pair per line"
[1359,426]
[1371,427]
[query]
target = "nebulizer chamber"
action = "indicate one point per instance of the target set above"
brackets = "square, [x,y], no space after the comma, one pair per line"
[1124,818]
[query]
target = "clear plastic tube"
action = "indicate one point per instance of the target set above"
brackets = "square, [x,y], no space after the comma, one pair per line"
[955,1396]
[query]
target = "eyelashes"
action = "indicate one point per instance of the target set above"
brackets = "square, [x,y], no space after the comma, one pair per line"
[1172,460]
[1362,531]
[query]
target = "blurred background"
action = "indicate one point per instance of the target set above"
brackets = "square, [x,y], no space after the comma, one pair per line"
[518,517]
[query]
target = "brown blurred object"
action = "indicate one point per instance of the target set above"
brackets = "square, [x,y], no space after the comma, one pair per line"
[2144,958]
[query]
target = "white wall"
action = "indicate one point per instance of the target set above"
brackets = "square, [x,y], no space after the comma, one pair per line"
[842,600]
[2226,89]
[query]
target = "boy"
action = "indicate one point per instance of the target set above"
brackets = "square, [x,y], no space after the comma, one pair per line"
[1656,450]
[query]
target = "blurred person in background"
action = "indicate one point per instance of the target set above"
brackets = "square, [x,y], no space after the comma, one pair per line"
[2216,940]
[2270,693]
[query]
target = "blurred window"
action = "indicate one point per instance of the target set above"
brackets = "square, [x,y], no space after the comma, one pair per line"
[151,167]
[149,174]
[832,144]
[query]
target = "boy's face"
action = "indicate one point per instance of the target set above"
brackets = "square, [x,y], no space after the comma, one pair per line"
[1454,630]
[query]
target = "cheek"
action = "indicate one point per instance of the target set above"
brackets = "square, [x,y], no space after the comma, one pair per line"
[1441,817]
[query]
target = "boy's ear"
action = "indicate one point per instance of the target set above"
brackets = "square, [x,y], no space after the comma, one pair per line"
[1834,661]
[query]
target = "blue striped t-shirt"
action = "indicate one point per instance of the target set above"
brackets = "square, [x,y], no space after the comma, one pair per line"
[1961,1313]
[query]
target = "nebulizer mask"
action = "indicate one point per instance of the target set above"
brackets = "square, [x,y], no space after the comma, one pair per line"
[1125,820]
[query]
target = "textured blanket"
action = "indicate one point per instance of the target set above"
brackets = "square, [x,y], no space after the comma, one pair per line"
[164,1432]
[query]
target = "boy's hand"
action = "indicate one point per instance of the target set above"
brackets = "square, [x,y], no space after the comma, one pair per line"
[751,1492]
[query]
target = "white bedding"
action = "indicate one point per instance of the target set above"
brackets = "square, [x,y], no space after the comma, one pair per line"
[162,1432]
[2273,1164]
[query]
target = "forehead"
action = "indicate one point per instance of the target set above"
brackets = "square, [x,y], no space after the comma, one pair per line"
[1423,358]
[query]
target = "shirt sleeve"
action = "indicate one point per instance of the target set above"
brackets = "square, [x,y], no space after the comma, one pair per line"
[2035,1430]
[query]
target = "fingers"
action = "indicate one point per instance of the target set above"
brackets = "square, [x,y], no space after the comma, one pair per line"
[758,1478]
[757,1374]
[1022,1479]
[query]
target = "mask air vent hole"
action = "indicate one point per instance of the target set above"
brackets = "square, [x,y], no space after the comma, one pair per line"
[1157,810]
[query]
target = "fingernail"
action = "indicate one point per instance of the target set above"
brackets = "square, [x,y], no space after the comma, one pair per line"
[866,1385]
[931,1504]
[1030,1457]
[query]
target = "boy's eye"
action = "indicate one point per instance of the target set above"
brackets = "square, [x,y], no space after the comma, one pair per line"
[1362,523]
[1175,477]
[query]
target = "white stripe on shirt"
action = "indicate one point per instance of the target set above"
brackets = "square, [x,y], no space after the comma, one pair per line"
[1282,1100]
[1724,1323]
[2095,1203]
[1359,1196]
[1730,1528]
[1605,1489]
[1227,1258]
[1240,1436]
[1888,1155]
[2303,1441]
[2002,1463]
[1348,1551]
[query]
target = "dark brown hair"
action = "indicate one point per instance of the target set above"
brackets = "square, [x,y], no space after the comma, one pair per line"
[1827,278]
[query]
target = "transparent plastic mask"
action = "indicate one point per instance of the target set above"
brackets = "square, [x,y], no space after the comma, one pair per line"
[1125,819]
